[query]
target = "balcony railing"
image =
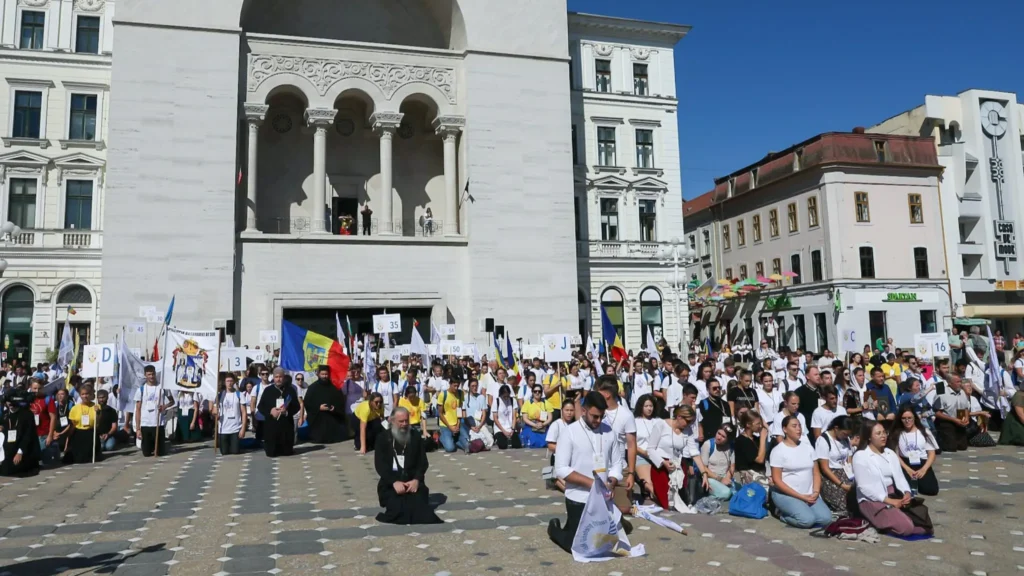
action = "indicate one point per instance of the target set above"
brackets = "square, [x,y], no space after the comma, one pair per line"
[304,225]
[58,239]
[617,249]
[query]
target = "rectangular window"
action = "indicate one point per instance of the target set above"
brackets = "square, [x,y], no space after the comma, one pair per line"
[693,243]
[741,233]
[821,331]
[743,271]
[916,212]
[78,207]
[759,268]
[756,225]
[87,35]
[928,323]
[605,146]
[863,210]
[877,327]
[640,84]
[773,223]
[728,273]
[33,26]
[921,262]
[707,242]
[867,262]
[575,147]
[783,336]
[726,240]
[645,149]
[880,150]
[816,275]
[794,265]
[603,79]
[812,212]
[794,225]
[609,219]
[576,215]
[27,113]
[83,117]
[801,332]
[776,266]
[648,221]
[22,203]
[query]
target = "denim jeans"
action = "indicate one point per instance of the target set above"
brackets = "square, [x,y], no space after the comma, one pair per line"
[449,441]
[800,514]
[109,443]
[718,490]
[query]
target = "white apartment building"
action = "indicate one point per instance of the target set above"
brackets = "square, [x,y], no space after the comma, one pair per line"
[55,59]
[854,219]
[979,136]
[628,191]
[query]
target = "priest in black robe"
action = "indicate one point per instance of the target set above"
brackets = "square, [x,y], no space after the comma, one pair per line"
[325,410]
[278,405]
[21,445]
[400,459]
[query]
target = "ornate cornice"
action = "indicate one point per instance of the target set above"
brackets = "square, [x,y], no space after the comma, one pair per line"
[386,120]
[89,5]
[256,113]
[320,116]
[323,73]
[449,125]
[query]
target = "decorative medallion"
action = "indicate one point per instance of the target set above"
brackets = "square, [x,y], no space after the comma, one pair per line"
[89,5]
[640,53]
[345,126]
[34,3]
[282,123]
[323,73]
[603,49]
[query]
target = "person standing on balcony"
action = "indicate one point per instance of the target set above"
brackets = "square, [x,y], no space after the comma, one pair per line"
[367,213]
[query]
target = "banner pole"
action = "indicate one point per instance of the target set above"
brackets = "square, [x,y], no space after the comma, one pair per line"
[219,405]
[160,399]
[95,425]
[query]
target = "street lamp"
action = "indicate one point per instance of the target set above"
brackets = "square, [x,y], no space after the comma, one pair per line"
[674,254]
[7,233]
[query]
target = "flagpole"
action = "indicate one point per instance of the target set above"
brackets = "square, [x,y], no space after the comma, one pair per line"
[216,417]
[94,427]
[160,398]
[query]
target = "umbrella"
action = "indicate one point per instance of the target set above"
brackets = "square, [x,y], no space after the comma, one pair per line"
[764,280]
[790,274]
[745,282]
[776,277]
[724,282]
[730,294]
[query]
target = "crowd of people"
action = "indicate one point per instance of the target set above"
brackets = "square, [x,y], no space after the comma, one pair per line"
[824,437]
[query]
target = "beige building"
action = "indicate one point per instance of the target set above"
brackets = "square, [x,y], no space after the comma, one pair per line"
[852,222]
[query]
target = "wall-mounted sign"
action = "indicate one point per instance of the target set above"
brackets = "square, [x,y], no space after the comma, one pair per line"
[1006,240]
[901,297]
[778,303]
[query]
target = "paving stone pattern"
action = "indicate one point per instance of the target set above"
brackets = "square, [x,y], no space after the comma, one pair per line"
[194,513]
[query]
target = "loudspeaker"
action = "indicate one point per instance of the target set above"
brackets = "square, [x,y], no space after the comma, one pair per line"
[499,331]
[229,327]
[488,324]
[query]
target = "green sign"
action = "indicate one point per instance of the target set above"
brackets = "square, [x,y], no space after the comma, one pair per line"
[778,303]
[901,297]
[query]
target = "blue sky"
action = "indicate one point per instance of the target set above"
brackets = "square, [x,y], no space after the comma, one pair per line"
[755,76]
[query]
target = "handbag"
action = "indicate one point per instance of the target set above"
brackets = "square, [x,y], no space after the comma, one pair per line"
[918,514]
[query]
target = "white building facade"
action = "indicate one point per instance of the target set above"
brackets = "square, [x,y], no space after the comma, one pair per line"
[978,135]
[628,194]
[55,59]
[851,223]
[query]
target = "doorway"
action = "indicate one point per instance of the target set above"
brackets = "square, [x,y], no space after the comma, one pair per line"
[344,207]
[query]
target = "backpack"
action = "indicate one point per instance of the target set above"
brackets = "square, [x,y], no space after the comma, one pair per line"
[748,502]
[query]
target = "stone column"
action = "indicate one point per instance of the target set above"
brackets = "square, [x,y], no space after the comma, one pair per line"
[319,119]
[386,123]
[448,127]
[254,115]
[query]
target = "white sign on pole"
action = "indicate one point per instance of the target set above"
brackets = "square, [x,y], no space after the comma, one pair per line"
[405,349]
[434,349]
[137,352]
[257,355]
[447,329]
[155,317]
[576,340]
[137,328]
[452,348]
[393,355]
[98,361]
[557,347]
[232,359]
[849,341]
[387,323]
[931,345]
[146,311]
[270,337]
[531,351]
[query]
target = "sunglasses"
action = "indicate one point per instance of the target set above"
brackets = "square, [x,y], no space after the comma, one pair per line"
[716,388]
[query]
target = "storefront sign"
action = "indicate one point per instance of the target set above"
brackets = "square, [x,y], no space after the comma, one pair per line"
[1006,240]
[778,303]
[901,297]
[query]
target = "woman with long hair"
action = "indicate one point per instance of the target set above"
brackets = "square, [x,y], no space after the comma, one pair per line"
[882,490]
[680,447]
[916,448]
[647,428]
[833,452]
[790,407]
[505,413]
[796,481]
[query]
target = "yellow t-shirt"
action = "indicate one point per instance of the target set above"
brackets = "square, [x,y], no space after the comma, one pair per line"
[80,410]
[365,413]
[450,405]
[532,410]
[415,411]
[554,402]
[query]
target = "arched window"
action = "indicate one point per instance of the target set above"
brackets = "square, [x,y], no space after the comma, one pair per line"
[16,323]
[75,294]
[650,315]
[612,303]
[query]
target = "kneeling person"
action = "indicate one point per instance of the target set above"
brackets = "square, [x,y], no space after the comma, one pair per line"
[400,459]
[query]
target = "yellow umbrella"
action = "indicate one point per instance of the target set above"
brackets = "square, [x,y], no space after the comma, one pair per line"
[724,282]
[776,277]
[730,294]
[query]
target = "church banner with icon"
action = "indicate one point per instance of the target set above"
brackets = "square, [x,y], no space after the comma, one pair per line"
[191,361]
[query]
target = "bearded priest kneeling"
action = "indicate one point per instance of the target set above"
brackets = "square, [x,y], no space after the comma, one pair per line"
[401,462]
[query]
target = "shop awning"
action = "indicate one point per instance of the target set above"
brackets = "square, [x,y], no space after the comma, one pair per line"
[994,310]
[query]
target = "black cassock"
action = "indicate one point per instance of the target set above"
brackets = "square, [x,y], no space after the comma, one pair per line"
[411,508]
[325,427]
[279,433]
[22,423]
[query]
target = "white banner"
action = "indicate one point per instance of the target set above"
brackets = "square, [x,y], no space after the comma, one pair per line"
[931,345]
[600,536]
[387,323]
[192,361]
[98,360]
[270,337]
[232,359]
[557,347]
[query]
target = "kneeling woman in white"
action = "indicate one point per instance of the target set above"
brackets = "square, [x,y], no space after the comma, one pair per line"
[647,427]
[679,451]
[882,491]
[796,480]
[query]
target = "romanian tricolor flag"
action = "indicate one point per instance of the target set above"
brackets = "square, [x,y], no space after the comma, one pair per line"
[497,354]
[611,339]
[305,351]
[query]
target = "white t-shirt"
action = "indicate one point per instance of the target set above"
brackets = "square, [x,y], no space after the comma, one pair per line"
[387,390]
[915,446]
[229,413]
[647,430]
[622,423]
[150,398]
[822,416]
[837,452]
[673,395]
[555,430]
[768,404]
[796,463]
[776,428]
[504,413]
[641,385]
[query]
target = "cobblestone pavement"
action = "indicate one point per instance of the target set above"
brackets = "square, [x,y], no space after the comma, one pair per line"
[192,513]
